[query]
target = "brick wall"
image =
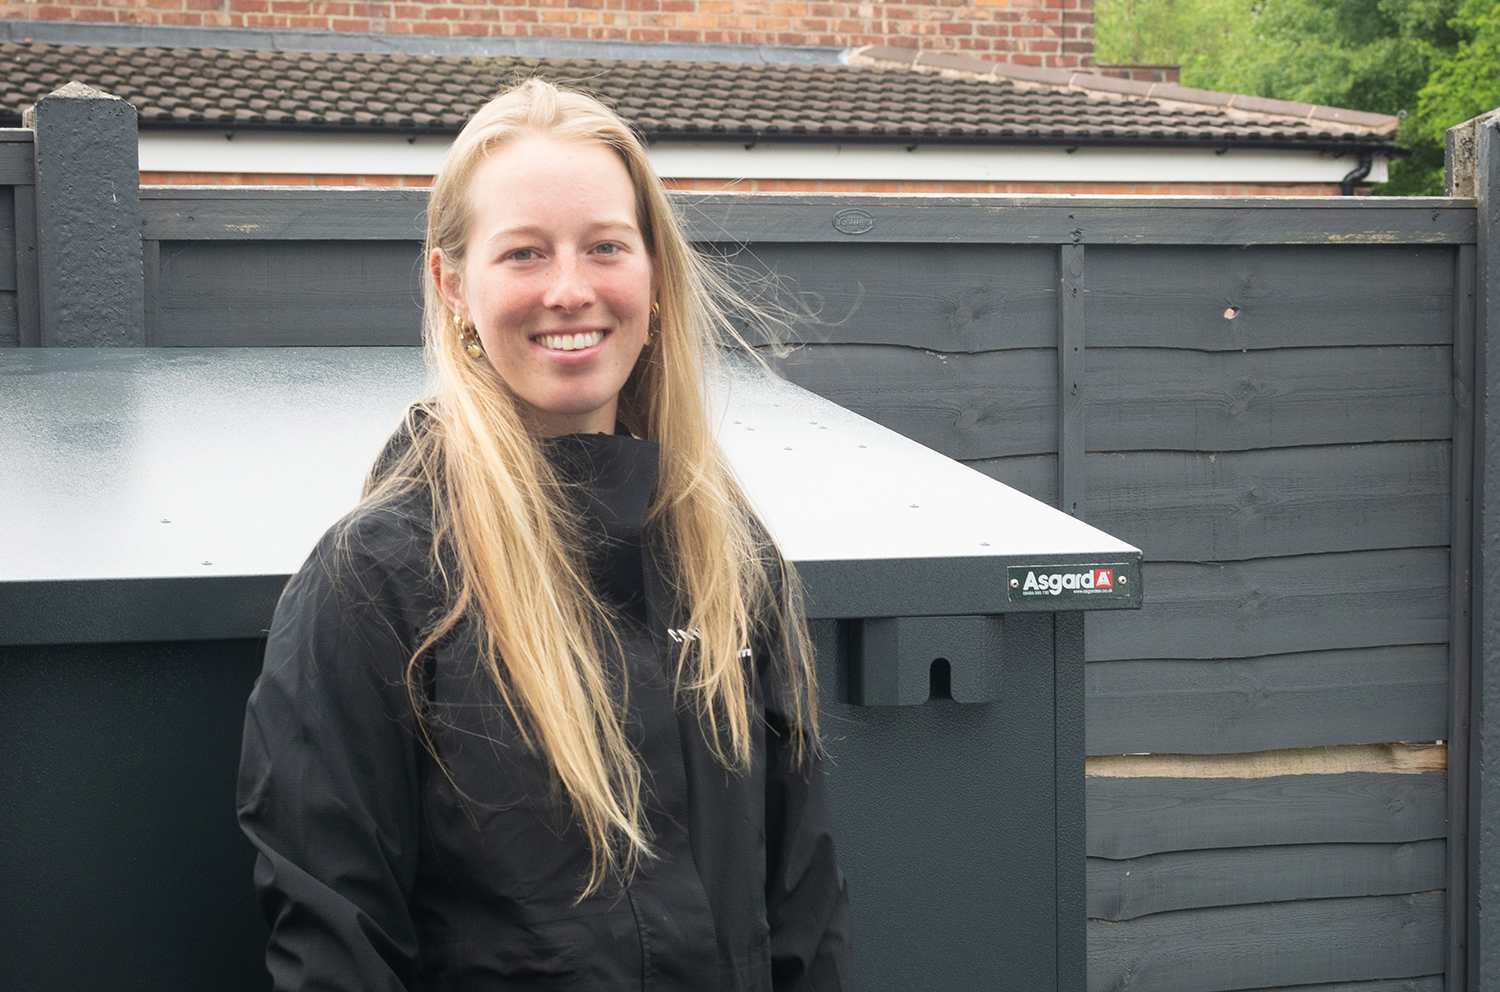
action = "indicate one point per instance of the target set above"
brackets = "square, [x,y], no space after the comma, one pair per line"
[1028,32]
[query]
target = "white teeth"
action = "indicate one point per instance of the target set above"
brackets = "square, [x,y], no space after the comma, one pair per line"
[571,342]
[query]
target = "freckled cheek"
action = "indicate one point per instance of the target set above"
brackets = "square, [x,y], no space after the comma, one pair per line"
[631,304]
[630,292]
[505,317]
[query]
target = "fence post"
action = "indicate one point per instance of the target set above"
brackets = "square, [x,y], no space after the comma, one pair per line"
[88,219]
[1484,754]
[1070,380]
[1461,148]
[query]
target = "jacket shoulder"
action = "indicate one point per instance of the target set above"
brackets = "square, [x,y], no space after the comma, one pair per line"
[388,538]
[374,572]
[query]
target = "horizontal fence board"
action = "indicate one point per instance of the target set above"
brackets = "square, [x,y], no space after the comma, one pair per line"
[948,298]
[1279,606]
[223,213]
[1160,883]
[1132,817]
[1388,758]
[1360,696]
[1425,983]
[248,294]
[966,406]
[177,213]
[731,217]
[1282,297]
[1183,506]
[1034,475]
[1266,946]
[1167,399]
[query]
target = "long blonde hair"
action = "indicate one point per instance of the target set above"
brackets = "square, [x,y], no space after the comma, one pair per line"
[502,513]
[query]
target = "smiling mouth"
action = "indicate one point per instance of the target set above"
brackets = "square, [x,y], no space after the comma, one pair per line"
[570,342]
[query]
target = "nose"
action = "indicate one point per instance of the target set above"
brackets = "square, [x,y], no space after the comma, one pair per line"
[569,288]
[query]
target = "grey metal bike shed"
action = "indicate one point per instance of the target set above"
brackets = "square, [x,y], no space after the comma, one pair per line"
[153,502]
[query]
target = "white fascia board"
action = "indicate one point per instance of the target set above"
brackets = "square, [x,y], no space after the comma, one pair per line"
[314,154]
[393,155]
[1085,164]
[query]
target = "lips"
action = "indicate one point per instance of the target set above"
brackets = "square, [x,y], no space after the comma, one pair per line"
[569,342]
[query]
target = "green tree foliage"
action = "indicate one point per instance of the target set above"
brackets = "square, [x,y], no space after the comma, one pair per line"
[1196,34]
[1467,82]
[1364,54]
[1437,60]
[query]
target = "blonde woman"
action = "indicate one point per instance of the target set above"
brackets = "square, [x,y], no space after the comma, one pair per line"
[538,714]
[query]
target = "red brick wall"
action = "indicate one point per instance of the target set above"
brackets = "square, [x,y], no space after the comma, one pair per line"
[1029,32]
[788,185]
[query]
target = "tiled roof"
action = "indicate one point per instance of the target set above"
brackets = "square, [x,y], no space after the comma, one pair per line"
[1238,104]
[210,88]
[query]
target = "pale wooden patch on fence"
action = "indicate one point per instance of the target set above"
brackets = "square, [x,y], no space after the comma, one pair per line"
[1388,759]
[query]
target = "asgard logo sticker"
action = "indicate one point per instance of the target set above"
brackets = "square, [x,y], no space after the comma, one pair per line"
[1093,578]
[1030,582]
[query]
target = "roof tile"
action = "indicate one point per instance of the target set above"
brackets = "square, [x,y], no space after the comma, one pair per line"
[1186,94]
[407,94]
[1260,104]
[960,63]
[1111,84]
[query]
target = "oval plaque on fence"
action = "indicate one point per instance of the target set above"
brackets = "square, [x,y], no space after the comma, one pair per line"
[853,220]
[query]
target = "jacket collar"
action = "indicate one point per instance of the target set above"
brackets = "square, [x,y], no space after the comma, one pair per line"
[611,479]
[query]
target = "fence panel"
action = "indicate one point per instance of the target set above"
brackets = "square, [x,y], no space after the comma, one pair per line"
[278,293]
[18,287]
[10,319]
[1215,298]
[1265,405]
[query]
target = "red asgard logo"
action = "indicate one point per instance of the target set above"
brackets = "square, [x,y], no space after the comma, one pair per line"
[1088,580]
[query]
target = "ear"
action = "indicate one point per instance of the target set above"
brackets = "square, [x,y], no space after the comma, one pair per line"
[447,283]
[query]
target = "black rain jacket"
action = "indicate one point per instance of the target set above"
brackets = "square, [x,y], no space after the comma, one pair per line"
[378,872]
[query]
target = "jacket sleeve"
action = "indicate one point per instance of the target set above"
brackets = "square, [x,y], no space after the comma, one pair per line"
[807,902]
[328,785]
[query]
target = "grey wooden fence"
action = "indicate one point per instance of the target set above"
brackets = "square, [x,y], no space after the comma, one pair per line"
[1275,399]
[1259,395]
[18,280]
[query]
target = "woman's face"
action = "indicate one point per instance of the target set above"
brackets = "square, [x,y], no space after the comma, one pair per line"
[556,279]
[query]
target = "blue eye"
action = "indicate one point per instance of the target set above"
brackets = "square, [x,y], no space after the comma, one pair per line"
[608,248]
[523,254]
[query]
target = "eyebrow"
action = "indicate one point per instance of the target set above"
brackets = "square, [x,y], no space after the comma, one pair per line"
[522,230]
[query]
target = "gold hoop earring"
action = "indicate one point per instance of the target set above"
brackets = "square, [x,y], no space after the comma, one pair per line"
[653,324]
[470,340]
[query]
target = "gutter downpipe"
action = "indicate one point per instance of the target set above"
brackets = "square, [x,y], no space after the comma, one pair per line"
[1366,159]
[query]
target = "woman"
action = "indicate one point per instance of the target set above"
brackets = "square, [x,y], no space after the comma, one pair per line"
[537,714]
